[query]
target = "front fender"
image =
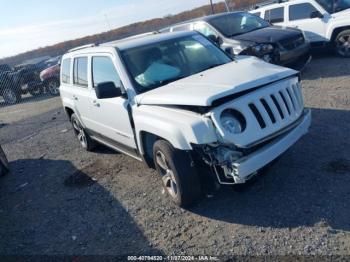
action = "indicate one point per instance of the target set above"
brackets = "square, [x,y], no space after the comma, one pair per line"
[181,128]
[335,26]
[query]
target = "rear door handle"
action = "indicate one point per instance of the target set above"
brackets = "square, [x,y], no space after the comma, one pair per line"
[96,103]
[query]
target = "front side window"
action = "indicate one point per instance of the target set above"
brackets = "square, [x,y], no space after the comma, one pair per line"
[80,71]
[157,64]
[275,15]
[65,69]
[103,70]
[204,29]
[301,11]
[237,23]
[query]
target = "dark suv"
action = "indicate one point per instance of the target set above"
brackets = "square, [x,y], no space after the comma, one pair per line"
[9,87]
[242,33]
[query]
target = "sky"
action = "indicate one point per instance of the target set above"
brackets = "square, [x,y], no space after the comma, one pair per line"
[29,24]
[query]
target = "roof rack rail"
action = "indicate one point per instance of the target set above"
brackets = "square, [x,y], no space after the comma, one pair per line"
[130,37]
[270,2]
[81,47]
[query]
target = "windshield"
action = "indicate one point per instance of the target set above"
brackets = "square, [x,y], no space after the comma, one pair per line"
[238,23]
[334,6]
[154,65]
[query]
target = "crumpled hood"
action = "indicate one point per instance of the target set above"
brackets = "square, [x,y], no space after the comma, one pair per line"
[204,88]
[270,34]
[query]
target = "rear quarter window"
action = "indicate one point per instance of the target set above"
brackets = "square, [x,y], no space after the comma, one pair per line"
[65,68]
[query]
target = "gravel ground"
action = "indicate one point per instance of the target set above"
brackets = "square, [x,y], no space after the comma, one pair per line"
[59,199]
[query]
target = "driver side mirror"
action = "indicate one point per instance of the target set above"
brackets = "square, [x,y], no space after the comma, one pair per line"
[106,90]
[316,14]
[216,39]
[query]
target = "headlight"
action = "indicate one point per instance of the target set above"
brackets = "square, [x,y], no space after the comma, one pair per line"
[232,121]
[257,49]
[262,49]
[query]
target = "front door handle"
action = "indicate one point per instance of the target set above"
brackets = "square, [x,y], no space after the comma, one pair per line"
[96,103]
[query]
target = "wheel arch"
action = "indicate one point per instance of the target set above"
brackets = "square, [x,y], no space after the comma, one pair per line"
[338,30]
[47,80]
[147,141]
[69,112]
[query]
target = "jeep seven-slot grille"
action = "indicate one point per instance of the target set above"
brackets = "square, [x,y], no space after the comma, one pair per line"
[277,106]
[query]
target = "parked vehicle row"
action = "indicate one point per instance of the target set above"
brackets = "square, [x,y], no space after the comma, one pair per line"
[325,22]
[241,33]
[185,107]
[34,79]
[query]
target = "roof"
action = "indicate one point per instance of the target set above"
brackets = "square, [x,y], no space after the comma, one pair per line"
[141,40]
[271,3]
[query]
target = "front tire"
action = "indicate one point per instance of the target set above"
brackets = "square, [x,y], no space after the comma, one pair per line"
[342,44]
[179,176]
[83,137]
[10,96]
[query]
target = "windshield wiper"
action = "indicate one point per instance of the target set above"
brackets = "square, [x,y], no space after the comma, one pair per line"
[210,67]
[167,81]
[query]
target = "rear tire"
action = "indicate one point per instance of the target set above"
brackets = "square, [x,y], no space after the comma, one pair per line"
[53,87]
[4,164]
[179,175]
[342,44]
[83,137]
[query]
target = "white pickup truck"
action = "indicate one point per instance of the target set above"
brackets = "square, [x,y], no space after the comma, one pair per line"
[182,105]
[325,22]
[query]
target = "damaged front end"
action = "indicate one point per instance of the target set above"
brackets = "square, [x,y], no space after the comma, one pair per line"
[236,165]
[221,159]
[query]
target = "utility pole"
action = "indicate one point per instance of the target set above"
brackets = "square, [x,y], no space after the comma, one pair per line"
[212,7]
[227,8]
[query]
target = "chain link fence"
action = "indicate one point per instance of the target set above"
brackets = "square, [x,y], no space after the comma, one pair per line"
[27,90]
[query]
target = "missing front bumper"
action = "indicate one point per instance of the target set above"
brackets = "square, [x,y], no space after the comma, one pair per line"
[246,167]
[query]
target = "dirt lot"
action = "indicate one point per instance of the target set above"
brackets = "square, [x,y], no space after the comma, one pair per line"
[59,199]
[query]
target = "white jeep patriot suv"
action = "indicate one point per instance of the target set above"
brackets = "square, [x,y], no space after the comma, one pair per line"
[182,105]
[323,21]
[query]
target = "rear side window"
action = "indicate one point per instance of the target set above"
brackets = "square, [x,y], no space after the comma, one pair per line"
[301,11]
[275,15]
[80,71]
[65,68]
[103,70]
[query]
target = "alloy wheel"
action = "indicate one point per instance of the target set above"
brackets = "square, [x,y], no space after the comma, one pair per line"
[53,87]
[9,96]
[167,174]
[343,45]
[79,131]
